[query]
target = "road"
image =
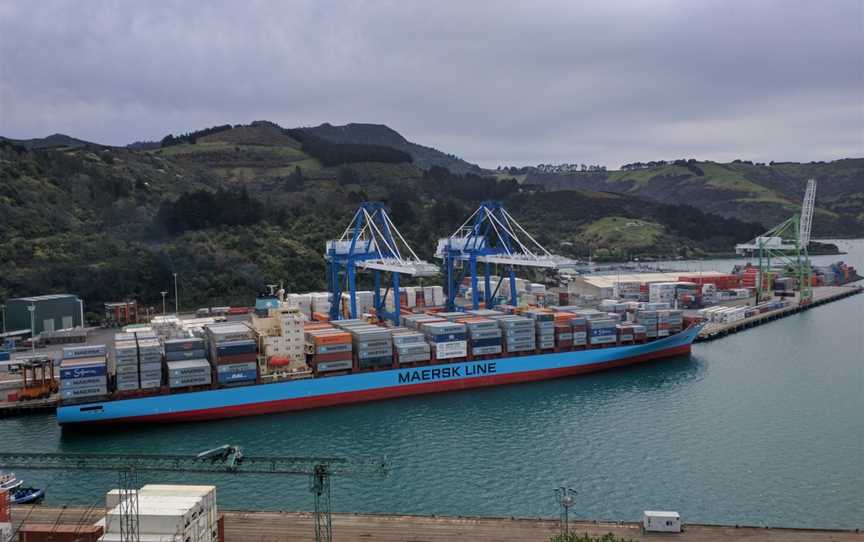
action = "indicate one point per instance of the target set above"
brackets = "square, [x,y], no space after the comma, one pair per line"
[281,526]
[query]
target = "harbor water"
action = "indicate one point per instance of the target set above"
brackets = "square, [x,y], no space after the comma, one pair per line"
[765,427]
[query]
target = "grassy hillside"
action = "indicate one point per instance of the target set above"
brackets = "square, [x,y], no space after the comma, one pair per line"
[765,193]
[239,208]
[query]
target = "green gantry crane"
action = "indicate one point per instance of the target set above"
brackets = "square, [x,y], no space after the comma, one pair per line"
[224,459]
[785,246]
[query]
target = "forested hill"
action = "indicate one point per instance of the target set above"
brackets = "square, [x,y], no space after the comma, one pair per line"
[767,193]
[236,208]
[379,134]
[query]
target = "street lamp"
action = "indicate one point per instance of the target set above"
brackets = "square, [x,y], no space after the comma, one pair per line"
[164,292]
[176,299]
[32,309]
[566,499]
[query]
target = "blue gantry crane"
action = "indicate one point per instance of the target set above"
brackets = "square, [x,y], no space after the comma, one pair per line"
[491,236]
[371,241]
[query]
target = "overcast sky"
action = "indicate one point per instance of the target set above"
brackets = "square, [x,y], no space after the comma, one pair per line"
[495,83]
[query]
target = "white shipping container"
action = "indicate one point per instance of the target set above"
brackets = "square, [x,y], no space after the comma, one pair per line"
[661,522]
[452,349]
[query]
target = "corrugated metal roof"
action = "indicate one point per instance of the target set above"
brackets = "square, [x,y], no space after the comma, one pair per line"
[609,281]
[47,297]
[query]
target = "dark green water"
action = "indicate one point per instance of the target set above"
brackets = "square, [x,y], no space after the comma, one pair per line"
[764,427]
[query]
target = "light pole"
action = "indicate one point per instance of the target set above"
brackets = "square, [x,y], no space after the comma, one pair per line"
[164,292]
[32,309]
[3,308]
[566,498]
[176,299]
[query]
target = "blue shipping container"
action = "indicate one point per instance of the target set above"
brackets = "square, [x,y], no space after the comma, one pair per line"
[237,376]
[449,337]
[492,341]
[236,347]
[83,372]
[603,332]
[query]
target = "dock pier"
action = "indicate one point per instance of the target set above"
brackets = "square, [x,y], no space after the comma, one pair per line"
[821,296]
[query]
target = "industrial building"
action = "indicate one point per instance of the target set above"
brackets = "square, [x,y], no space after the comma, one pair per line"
[50,312]
[613,286]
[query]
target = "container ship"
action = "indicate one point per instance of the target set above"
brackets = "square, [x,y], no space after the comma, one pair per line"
[177,372]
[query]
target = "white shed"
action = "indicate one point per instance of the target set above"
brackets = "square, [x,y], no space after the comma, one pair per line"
[661,522]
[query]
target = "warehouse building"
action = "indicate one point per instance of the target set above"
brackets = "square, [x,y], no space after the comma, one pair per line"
[615,286]
[50,312]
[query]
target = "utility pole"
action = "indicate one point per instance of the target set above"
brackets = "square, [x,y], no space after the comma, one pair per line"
[164,292]
[566,499]
[32,309]
[176,299]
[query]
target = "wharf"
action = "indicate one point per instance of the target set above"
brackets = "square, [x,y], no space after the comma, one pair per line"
[21,408]
[273,526]
[821,296]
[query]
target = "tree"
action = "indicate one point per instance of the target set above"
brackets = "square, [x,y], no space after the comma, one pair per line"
[347,175]
[295,181]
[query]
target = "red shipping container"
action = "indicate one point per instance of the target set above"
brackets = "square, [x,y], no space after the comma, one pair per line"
[220,527]
[237,358]
[333,356]
[4,506]
[63,532]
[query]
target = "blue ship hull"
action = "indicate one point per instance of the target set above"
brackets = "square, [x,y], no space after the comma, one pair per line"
[369,386]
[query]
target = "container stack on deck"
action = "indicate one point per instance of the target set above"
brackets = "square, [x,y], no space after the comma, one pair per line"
[126,362]
[484,336]
[149,360]
[233,353]
[373,346]
[186,363]
[411,346]
[602,331]
[328,349]
[544,325]
[448,340]
[518,333]
[83,372]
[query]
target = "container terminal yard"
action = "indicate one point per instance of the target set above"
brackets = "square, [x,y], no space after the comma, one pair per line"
[469,327]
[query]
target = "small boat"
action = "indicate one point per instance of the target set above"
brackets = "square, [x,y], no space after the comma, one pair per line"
[9,482]
[26,495]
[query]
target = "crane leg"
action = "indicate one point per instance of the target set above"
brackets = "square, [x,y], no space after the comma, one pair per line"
[129,505]
[320,486]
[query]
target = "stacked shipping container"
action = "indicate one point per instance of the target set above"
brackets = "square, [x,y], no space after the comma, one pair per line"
[83,372]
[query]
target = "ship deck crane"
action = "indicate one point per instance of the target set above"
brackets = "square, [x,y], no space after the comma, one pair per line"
[371,241]
[224,459]
[787,243]
[491,236]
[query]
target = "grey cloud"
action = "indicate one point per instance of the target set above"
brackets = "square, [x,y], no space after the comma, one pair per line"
[495,82]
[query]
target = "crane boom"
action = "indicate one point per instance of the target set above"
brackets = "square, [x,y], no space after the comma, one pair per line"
[223,459]
[194,463]
[807,213]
